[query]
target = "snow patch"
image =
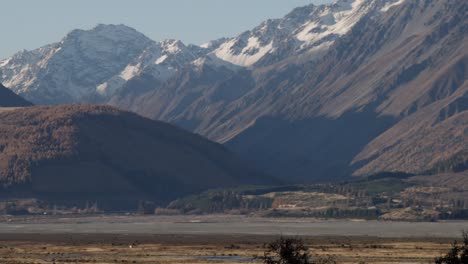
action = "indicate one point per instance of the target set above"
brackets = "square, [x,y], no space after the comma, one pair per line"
[206,45]
[333,21]
[172,46]
[199,62]
[305,34]
[161,59]
[4,62]
[101,89]
[249,55]
[108,88]
[214,61]
[129,72]
[390,5]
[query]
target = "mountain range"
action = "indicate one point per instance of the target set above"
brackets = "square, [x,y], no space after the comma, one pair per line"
[86,66]
[351,88]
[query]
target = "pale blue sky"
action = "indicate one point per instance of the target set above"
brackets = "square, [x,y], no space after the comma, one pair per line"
[29,24]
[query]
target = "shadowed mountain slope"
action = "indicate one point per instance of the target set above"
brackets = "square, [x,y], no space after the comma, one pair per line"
[10,99]
[97,152]
[408,67]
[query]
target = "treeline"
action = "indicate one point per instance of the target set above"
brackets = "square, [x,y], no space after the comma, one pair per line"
[361,213]
[456,214]
[219,202]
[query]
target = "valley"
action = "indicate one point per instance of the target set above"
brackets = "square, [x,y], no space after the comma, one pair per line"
[339,130]
[388,197]
[206,240]
[396,197]
[227,225]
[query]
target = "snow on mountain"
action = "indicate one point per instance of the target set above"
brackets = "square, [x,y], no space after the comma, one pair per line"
[391,4]
[69,71]
[21,70]
[160,60]
[253,51]
[4,62]
[90,66]
[336,19]
[215,63]
[310,29]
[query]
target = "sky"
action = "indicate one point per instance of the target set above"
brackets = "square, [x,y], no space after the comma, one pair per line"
[30,24]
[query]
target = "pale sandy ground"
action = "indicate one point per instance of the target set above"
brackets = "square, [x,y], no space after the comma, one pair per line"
[214,239]
[222,224]
[5,109]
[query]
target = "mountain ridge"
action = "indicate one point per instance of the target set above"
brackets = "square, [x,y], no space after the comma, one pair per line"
[90,66]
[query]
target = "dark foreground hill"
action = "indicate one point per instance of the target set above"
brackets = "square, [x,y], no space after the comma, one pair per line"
[98,153]
[10,99]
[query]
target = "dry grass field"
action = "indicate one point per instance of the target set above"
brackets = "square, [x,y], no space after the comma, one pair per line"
[153,249]
[5,109]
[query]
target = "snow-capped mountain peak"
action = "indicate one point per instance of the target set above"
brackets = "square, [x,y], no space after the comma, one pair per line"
[173,46]
[306,30]
[70,70]
[160,60]
[116,33]
[90,65]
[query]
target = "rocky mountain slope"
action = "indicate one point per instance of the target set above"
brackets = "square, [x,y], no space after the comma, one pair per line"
[207,95]
[82,152]
[10,99]
[389,96]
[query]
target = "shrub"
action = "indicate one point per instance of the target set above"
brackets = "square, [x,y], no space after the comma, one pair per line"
[290,251]
[458,254]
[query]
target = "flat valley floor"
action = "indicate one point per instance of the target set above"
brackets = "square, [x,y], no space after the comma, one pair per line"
[215,239]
